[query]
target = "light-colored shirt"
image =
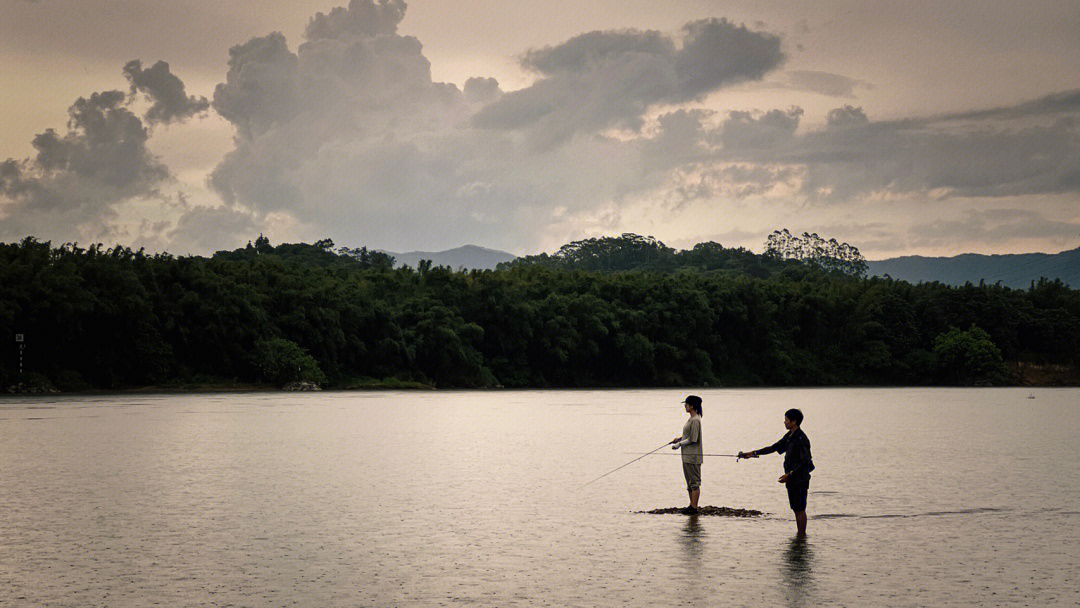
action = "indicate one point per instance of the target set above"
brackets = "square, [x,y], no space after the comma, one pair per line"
[691,441]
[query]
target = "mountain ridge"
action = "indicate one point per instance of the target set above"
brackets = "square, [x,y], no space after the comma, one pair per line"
[1015,270]
[469,257]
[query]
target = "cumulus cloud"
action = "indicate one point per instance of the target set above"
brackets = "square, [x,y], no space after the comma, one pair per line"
[78,179]
[581,53]
[1032,148]
[206,229]
[600,79]
[99,181]
[715,52]
[1028,149]
[925,170]
[744,131]
[481,90]
[359,20]
[166,92]
[261,86]
[348,134]
[846,116]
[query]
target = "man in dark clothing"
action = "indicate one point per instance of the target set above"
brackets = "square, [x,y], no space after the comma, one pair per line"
[795,446]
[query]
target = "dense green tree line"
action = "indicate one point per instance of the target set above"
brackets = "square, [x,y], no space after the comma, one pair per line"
[645,253]
[623,312]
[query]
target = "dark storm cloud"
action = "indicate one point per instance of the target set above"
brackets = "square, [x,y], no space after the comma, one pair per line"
[78,178]
[166,92]
[600,80]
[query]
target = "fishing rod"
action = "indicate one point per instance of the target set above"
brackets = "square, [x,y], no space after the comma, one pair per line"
[735,456]
[627,464]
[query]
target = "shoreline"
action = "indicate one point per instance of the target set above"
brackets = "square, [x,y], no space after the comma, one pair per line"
[267,388]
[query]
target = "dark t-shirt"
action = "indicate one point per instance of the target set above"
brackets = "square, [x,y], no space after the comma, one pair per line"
[795,446]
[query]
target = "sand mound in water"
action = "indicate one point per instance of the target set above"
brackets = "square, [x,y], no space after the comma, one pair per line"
[709,510]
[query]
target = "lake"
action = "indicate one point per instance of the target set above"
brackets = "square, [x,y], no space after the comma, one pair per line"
[921,497]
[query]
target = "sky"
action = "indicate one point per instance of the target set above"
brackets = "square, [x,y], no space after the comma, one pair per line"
[189,126]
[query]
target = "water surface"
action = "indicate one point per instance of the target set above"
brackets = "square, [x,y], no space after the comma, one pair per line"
[943,497]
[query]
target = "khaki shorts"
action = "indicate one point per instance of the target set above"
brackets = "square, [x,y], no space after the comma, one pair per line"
[692,473]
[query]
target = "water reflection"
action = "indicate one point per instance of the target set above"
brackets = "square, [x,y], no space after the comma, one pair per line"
[693,538]
[692,542]
[797,573]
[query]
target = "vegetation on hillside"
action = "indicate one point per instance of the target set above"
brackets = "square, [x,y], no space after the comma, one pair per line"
[615,311]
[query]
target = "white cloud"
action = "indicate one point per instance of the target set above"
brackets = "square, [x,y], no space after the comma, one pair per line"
[347,136]
[350,135]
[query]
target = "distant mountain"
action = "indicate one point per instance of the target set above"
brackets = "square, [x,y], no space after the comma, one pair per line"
[469,257]
[1015,270]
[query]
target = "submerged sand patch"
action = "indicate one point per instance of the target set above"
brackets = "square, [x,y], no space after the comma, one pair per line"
[706,510]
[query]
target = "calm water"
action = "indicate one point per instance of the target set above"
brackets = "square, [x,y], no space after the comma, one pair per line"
[920,498]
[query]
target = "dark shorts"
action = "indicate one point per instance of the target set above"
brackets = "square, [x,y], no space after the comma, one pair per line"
[692,473]
[796,493]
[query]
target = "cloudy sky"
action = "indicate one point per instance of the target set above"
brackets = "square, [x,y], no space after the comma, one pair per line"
[188,126]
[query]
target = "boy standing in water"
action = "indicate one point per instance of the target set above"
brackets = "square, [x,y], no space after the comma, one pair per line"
[690,442]
[795,446]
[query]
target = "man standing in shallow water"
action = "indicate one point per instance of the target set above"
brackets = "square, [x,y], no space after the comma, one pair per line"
[690,442]
[795,446]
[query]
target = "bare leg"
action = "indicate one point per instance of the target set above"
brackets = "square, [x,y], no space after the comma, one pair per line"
[800,522]
[694,495]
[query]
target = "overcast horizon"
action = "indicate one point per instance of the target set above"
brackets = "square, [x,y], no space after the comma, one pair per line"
[903,128]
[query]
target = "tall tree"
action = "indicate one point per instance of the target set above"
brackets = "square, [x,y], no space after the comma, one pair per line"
[828,255]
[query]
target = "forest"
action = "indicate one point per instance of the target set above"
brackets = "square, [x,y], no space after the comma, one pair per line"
[623,311]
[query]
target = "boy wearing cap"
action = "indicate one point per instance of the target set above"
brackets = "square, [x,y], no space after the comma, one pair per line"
[690,442]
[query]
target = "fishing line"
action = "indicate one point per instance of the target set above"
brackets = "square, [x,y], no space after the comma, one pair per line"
[626,465]
[735,456]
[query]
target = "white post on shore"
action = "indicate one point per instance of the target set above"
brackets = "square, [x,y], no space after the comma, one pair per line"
[21,341]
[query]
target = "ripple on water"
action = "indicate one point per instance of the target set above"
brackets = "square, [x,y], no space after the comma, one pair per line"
[327,508]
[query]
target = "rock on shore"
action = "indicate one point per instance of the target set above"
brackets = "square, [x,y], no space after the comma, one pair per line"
[301,386]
